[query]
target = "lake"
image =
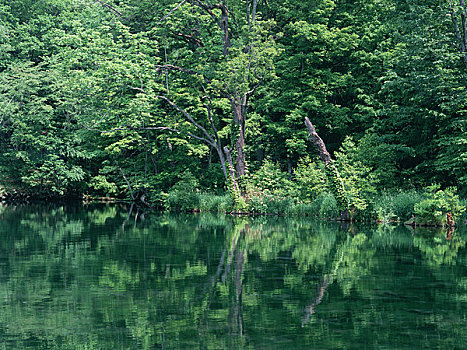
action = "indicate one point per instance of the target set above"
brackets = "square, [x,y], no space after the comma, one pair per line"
[104,277]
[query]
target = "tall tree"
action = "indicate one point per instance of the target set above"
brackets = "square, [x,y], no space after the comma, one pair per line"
[212,59]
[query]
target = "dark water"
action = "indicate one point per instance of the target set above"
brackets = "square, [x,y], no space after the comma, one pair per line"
[96,277]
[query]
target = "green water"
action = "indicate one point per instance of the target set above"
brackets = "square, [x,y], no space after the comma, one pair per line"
[97,277]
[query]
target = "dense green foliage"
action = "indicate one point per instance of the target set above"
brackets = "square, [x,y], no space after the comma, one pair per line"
[438,203]
[125,98]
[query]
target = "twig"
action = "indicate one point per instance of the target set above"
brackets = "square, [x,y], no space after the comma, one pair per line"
[131,127]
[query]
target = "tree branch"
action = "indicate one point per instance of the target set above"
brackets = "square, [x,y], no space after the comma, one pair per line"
[189,38]
[222,22]
[253,89]
[131,127]
[211,121]
[174,9]
[109,7]
[201,139]
[190,119]
[207,8]
[177,68]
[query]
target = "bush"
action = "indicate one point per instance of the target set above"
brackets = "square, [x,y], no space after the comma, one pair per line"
[358,179]
[225,204]
[403,204]
[183,196]
[278,205]
[310,180]
[268,190]
[433,209]
[463,216]
[328,208]
[269,204]
[268,180]
[257,204]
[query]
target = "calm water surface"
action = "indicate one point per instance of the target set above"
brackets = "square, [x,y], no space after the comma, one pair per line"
[99,277]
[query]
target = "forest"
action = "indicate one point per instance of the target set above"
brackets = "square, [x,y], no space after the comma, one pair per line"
[201,105]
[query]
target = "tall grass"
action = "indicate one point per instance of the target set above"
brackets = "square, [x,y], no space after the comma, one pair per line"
[386,206]
[268,204]
[212,203]
[324,206]
[393,206]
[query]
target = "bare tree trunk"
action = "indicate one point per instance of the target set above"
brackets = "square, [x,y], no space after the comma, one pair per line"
[130,190]
[222,159]
[318,142]
[239,111]
[289,166]
[232,178]
[450,220]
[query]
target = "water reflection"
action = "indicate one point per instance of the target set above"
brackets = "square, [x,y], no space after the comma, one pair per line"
[107,277]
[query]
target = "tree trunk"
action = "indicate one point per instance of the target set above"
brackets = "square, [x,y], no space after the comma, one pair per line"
[222,159]
[232,178]
[450,220]
[239,111]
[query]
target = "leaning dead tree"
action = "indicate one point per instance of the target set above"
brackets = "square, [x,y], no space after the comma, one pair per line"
[335,181]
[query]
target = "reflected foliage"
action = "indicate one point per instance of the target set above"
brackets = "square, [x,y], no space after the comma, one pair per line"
[110,277]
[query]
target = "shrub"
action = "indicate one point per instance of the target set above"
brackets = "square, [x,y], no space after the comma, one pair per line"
[257,204]
[183,196]
[100,184]
[328,208]
[268,204]
[463,216]
[278,205]
[302,209]
[268,179]
[268,190]
[310,180]
[358,180]
[433,209]
[225,204]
